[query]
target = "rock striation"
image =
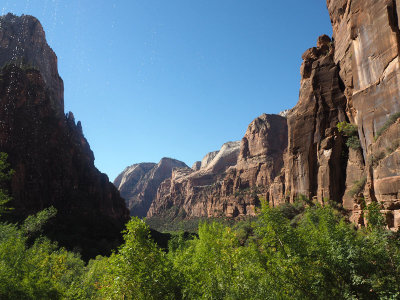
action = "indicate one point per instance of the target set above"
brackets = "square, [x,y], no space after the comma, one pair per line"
[138,183]
[53,162]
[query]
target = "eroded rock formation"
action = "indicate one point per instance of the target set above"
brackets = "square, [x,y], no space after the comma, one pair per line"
[231,182]
[138,183]
[53,163]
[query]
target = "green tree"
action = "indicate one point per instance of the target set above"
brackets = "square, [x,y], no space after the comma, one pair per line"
[140,269]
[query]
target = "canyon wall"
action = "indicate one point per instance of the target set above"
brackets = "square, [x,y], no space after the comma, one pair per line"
[340,142]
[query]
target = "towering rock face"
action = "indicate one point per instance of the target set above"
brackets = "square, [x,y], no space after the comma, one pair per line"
[53,163]
[138,183]
[366,34]
[315,164]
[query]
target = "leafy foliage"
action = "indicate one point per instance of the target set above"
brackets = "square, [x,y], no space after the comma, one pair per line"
[40,271]
[140,270]
[319,256]
[351,132]
[358,187]
[347,129]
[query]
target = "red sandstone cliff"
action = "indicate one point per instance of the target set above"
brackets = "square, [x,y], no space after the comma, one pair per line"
[229,181]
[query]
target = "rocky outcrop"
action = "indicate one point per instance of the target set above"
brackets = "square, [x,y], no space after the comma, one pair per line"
[53,163]
[191,193]
[207,159]
[315,164]
[138,183]
[233,181]
[196,166]
[23,43]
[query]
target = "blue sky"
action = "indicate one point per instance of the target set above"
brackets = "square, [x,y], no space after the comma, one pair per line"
[175,78]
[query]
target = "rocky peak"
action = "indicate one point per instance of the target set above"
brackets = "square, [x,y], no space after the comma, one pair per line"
[266,135]
[138,183]
[196,166]
[132,174]
[324,48]
[23,43]
[208,158]
[224,158]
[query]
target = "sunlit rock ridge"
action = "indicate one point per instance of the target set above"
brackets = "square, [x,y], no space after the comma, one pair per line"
[53,163]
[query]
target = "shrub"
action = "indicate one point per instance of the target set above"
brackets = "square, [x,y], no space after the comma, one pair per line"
[391,120]
[5,176]
[375,158]
[353,142]
[358,187]
[351,132]
[347,129]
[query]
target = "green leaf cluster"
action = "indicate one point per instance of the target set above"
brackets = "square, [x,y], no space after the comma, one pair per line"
[38,270]
[350,131]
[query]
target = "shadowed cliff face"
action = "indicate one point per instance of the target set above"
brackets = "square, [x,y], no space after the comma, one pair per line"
[52,160]
[314,158]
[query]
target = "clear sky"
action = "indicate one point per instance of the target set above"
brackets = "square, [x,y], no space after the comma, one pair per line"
[174,78]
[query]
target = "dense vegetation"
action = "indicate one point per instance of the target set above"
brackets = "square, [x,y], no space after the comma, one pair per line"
[293,252]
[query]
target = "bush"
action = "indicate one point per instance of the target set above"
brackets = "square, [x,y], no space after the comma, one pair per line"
[140,269]
[375,158]
[39,271]
[5,175]
[391,120]
[353,142]
[351,132]
[358,187]
[347,129]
